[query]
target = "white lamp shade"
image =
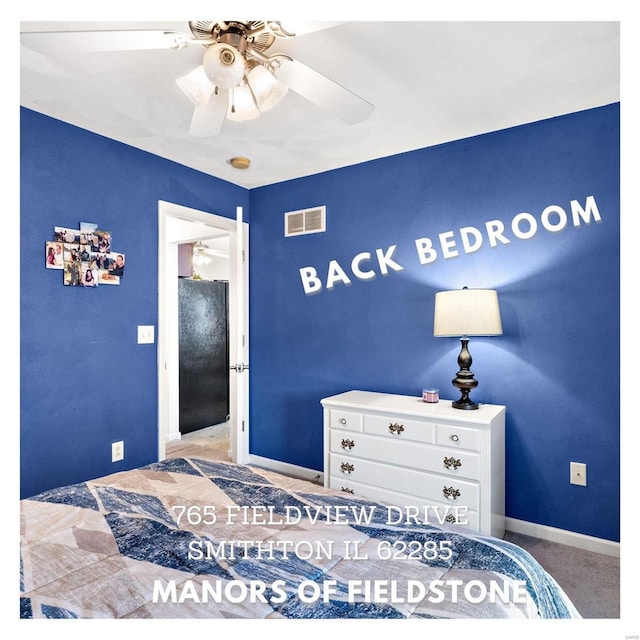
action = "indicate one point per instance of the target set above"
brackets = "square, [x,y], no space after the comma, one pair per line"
[266,88]
[197,87]
[223,65]
[467,312]
[242,106]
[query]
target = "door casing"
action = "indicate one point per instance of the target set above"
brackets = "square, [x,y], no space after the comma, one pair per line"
[201,225]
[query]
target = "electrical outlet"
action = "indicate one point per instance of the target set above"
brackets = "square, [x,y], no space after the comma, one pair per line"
[117,451]
[578,473]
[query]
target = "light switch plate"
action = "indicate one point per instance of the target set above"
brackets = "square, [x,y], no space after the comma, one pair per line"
[146,334]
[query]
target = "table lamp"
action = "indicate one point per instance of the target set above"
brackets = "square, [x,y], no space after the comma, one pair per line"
[462,313]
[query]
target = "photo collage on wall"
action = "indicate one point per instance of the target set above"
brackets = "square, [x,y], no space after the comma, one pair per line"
[85,256]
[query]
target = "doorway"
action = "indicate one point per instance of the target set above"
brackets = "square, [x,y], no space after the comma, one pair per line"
[179,225]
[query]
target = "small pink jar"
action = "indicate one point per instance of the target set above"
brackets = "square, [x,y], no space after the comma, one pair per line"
[430,395]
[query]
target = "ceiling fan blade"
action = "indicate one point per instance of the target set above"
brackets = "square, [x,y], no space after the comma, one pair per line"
[324,92]
[208,121]
[56,42]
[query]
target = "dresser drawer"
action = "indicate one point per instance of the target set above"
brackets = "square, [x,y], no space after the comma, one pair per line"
[400,428]
[456,437]
[425,457]
[427,486]
[349,420]
[436,514]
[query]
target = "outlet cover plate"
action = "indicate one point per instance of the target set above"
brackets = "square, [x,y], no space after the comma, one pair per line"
[117,451]
[579,473]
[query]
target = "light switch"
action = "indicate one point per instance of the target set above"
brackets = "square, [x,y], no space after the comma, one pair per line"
[146,334]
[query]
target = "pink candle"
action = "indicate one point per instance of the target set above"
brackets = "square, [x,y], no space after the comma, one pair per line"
[430,395]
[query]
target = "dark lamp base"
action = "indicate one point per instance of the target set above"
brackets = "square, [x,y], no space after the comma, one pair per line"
[464,379]
[464,404]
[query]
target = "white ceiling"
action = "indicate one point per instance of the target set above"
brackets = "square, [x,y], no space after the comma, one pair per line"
[429,82]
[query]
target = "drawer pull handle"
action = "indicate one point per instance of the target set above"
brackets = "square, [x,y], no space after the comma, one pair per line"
[450,492]
[346,489]
[396,428]
[455,438]
[452,463]
[346,467]
[343,421]
[451,518]
[347,444]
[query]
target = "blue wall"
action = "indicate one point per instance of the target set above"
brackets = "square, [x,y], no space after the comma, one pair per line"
[556,367]
[85,382]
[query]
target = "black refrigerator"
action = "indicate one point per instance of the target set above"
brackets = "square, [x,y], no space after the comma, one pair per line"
[203,310]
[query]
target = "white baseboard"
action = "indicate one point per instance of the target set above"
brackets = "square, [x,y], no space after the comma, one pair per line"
[287,469]
[561,536]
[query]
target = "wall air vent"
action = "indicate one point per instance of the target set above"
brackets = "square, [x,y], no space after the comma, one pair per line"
[298,223]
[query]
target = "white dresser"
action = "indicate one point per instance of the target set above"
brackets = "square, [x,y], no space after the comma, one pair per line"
[429,459]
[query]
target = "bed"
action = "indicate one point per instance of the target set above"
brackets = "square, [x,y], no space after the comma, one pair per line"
[195,538]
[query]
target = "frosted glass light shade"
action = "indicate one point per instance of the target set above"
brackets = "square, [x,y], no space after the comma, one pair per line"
[467,312]
[197,87]
[200,258]
[266,88]
[242,106]
[223,65]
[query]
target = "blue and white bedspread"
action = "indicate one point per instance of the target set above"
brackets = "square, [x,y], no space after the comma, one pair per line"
[192,538]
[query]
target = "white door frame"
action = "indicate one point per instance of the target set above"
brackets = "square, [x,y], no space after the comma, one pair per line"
[203,225]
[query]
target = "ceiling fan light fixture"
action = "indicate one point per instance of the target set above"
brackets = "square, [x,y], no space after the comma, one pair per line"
[266,88]
[200,258]
[223,65]
[242,106]
[197,87]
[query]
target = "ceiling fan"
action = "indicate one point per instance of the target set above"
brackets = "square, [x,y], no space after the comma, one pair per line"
[239,77]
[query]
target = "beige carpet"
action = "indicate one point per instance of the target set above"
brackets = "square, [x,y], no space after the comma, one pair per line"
[211,443]
[591,580]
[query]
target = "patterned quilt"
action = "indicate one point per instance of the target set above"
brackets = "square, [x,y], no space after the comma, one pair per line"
[192,538]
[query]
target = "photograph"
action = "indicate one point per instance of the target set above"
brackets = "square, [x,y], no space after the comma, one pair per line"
[116,264]
[106,277]
[71,252]
[101,241]
[68,236]
[72,272]
[54,255]
[89,274]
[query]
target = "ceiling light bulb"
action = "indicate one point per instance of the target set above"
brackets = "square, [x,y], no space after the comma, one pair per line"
[223,65]
[267,89]
[242,106]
